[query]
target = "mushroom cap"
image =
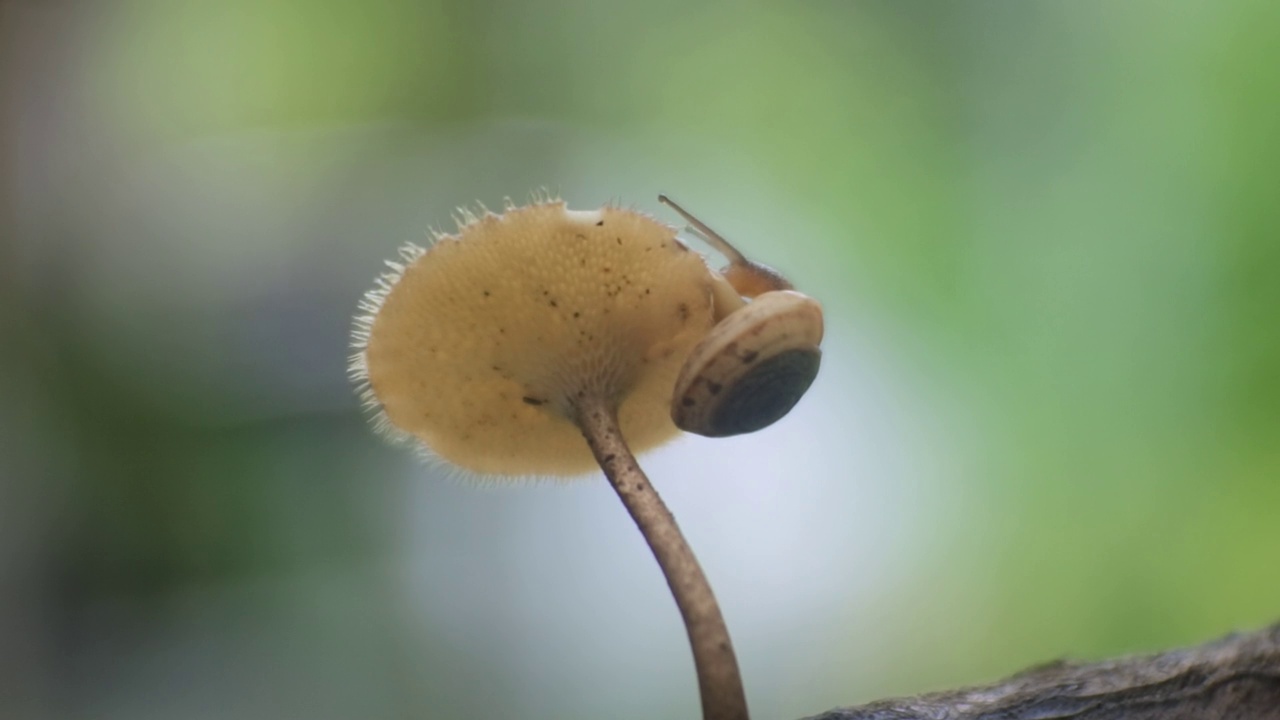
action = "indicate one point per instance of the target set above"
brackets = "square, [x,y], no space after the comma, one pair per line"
[478,346]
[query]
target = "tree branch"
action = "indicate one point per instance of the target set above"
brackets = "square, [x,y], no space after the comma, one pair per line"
[1235,678]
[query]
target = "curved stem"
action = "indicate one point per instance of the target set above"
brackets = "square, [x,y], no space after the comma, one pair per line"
[719,681]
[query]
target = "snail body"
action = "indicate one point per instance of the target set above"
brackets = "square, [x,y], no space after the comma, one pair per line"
[759,359]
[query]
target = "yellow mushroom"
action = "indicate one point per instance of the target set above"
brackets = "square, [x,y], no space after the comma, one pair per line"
[502,347]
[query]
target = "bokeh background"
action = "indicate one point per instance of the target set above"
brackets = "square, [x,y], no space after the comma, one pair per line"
[1047,235]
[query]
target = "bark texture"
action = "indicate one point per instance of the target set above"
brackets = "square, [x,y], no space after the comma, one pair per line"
[1236,678]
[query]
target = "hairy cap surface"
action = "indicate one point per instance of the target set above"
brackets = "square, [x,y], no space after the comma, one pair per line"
[479,345]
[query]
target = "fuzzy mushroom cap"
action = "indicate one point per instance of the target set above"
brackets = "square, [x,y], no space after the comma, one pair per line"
[479,346]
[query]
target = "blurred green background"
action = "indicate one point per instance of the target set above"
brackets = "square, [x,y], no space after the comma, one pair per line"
[1047,235]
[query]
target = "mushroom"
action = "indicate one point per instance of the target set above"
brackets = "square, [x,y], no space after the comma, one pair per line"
[499,348]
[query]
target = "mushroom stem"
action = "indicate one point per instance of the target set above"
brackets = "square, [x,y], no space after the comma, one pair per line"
[719,681]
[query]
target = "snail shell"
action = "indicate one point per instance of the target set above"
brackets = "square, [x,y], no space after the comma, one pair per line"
[752,368]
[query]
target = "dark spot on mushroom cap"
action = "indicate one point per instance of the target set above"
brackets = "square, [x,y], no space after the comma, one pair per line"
[532,400]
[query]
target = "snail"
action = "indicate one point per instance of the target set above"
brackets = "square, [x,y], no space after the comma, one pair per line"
[501,348]
[758,361]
